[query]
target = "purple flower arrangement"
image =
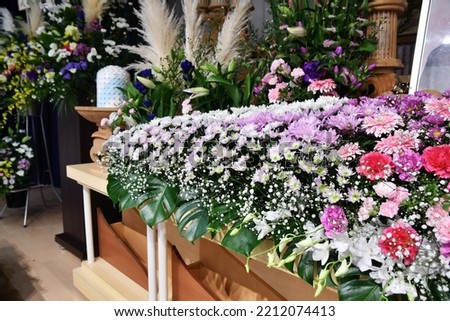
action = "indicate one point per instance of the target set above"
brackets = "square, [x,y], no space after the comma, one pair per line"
[344,184]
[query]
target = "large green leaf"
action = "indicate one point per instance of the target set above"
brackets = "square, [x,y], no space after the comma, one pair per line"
[244,241]
[220,216]
[359,290]
[192,220]
[120,196]
[160,204]
[305,268]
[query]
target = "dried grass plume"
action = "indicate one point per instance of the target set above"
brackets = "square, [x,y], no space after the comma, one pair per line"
[193,29]
[6,21]
[94,9]
[227,47]
[159,30]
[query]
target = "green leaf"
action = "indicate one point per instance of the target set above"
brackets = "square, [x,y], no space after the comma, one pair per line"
[214,78]
[160,204]
[192,220]
[359,290]
[221,215]
[305,268]
[243,242]
[368,47]
[120,196]
[352,274]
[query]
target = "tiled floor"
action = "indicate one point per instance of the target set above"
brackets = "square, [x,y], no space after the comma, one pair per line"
[33,267]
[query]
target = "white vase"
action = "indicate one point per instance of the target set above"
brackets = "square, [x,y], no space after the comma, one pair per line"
[109,80]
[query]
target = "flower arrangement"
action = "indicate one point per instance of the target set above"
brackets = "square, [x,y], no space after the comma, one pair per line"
[181,70]
[317,48]
[14,51]
[57,54]
[16,156]
[352,193]
[75,41]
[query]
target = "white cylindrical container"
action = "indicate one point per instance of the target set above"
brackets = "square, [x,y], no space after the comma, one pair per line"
[109,80]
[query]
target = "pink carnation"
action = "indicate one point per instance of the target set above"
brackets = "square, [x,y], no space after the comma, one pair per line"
[389,209]
[437,160]
[297,73]
[435,214]
[443,230]
[271,79]
[275,94]
[375,166]
[366,209]
[401,194]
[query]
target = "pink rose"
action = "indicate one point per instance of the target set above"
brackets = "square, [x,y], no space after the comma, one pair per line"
[437,160]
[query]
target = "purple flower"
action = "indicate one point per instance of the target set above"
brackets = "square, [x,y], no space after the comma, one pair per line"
[32,75]
[407,165]
[337,52]
[437,133]
[23,164]
[334,220]
[312,70]
[93,26]
[445,249]
[347,123]
[186,66]
[81,50]
[139,86]
[446,93]
[146,73]
[147,103]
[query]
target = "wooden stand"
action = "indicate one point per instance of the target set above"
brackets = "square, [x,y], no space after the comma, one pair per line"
[95,115]
[385,14]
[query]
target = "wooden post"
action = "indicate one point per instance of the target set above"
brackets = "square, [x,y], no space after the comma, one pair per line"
[385,14]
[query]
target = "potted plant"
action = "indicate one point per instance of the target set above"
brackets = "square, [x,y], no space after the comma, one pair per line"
[16,156]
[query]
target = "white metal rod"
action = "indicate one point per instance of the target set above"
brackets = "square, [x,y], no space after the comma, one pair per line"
[88,225]
[162,261]
[151,264]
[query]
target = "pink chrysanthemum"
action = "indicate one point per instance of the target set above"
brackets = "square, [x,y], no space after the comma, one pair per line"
[400,242]
[439,107]
[375,166]
[349,150]
[382,123]
[398,143]
[324,86]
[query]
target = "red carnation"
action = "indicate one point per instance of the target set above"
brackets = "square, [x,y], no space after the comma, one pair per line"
[375,165]
[437,160]
[400,242]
